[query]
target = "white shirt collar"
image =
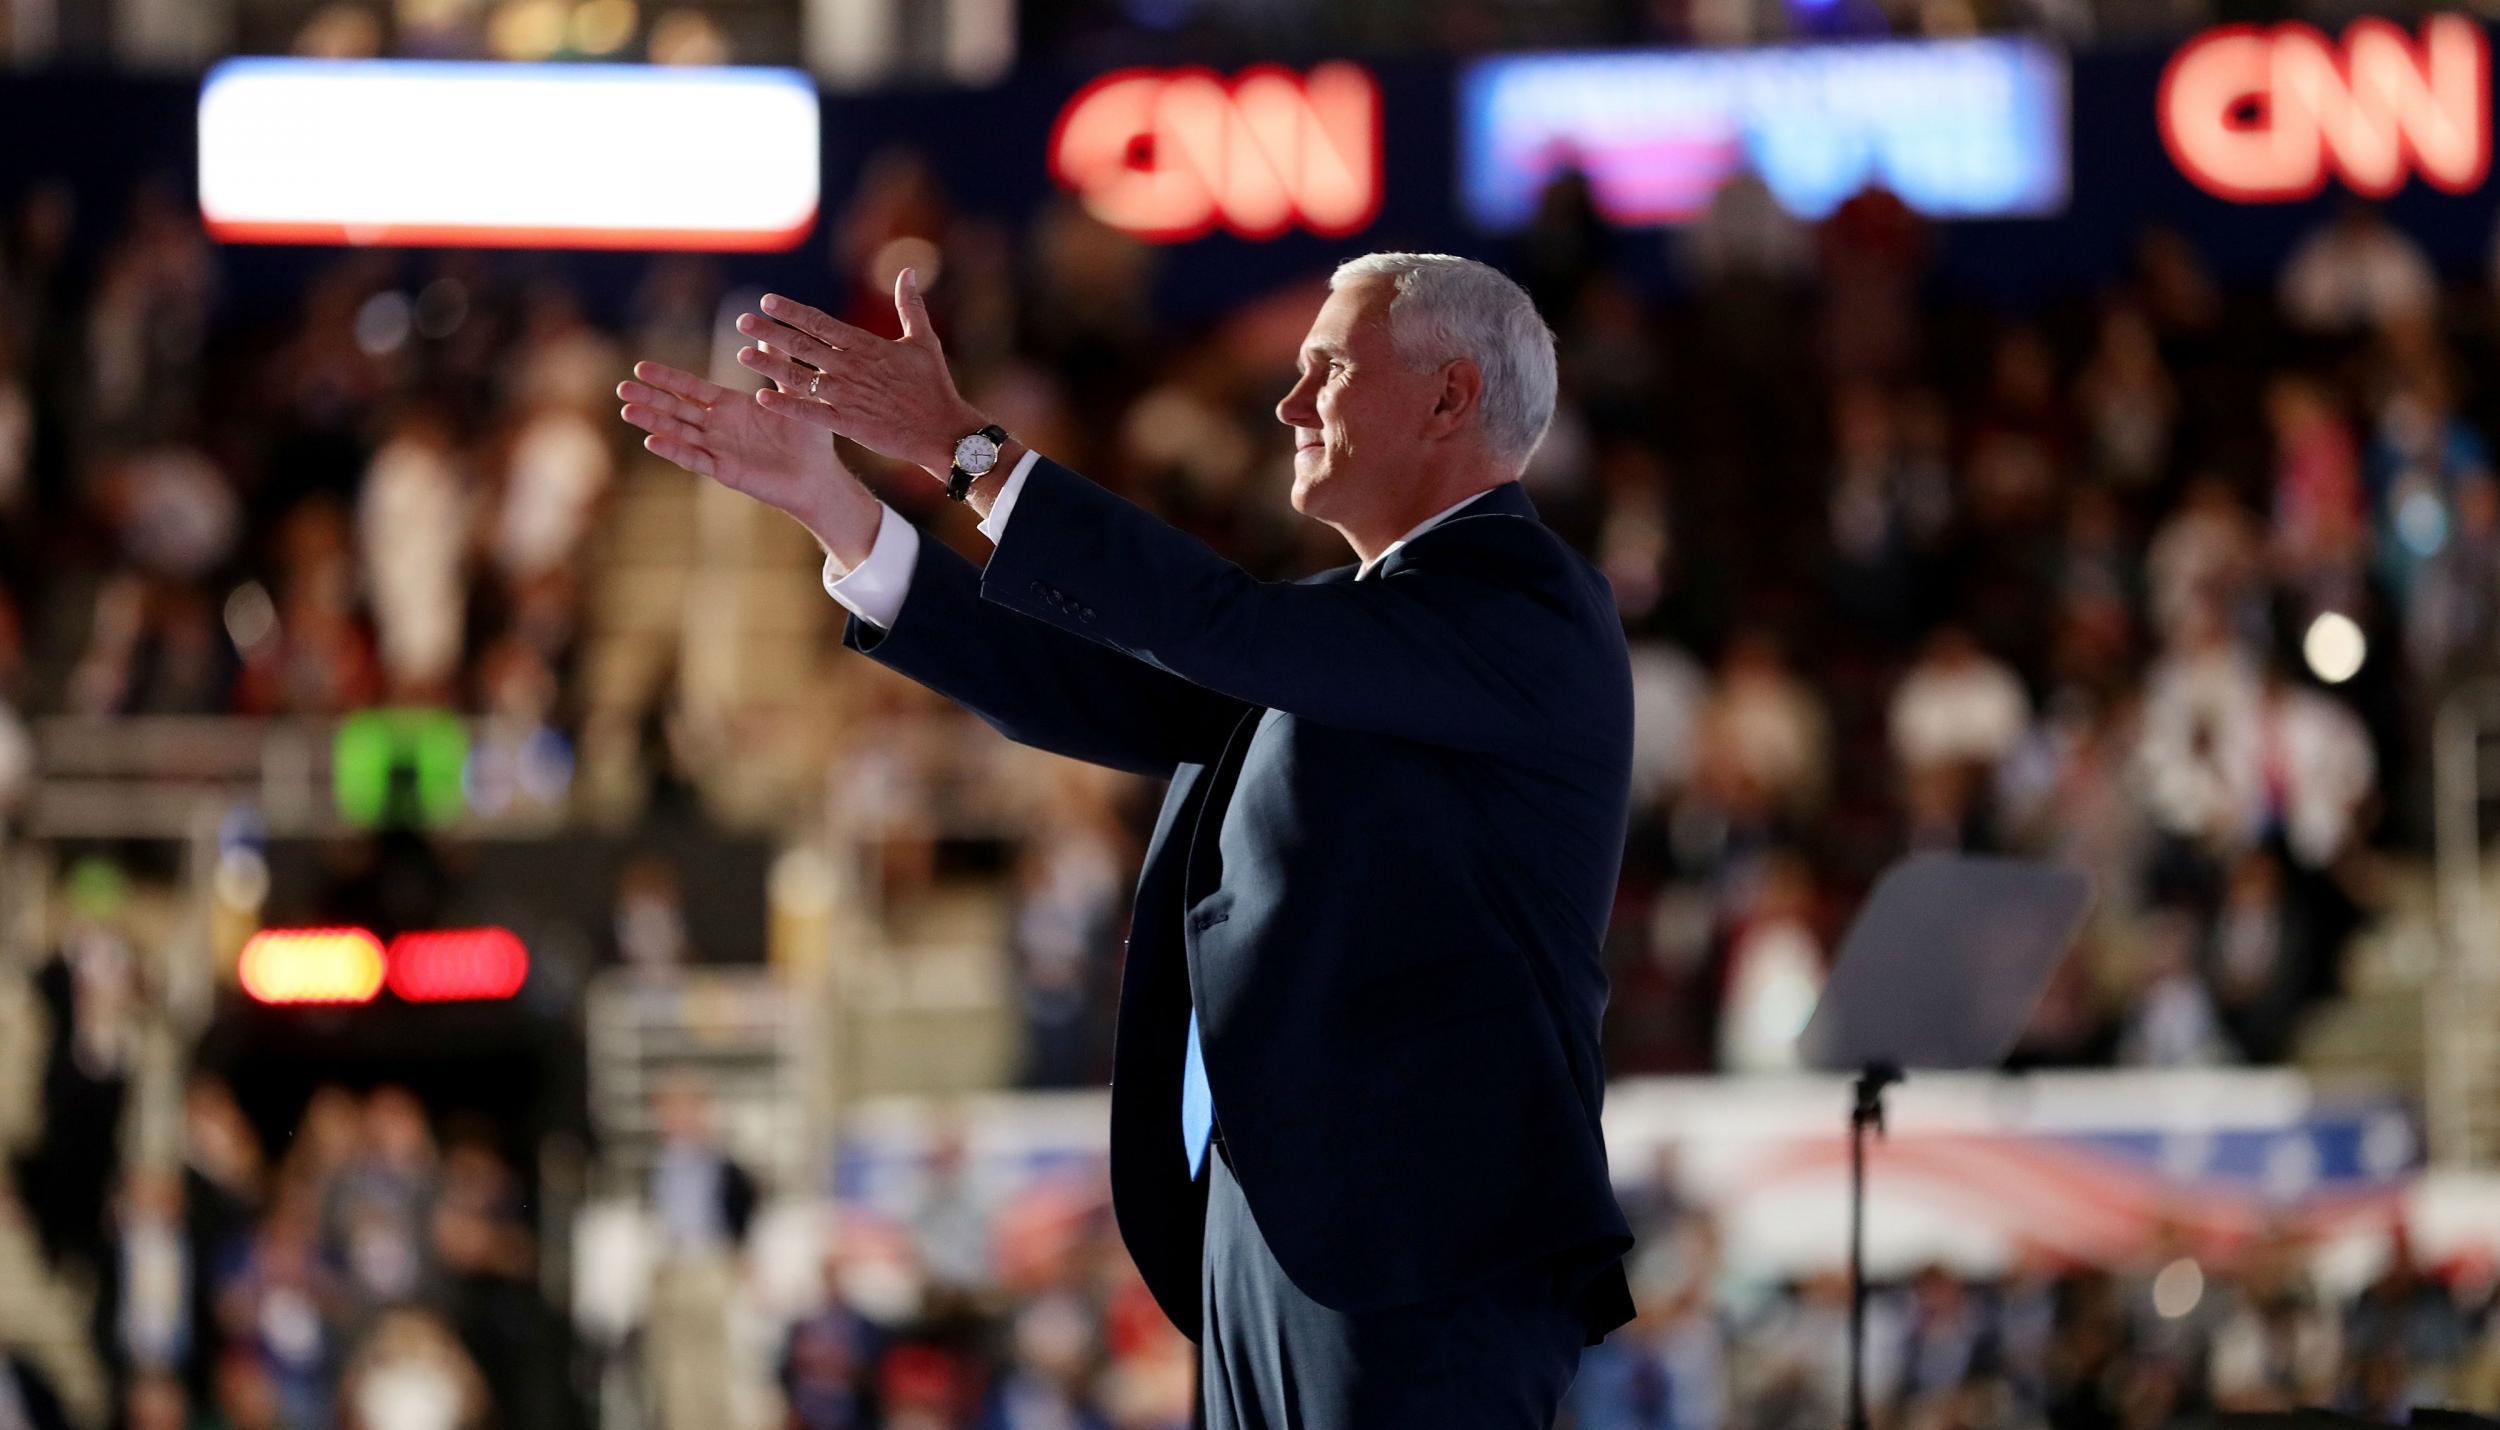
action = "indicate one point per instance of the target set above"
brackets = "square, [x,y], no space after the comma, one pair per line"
[1427,524]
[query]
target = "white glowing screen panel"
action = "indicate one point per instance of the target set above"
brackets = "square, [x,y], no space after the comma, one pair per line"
[420,153]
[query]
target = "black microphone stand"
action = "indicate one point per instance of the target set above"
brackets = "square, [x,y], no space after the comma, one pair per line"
[1866,1113]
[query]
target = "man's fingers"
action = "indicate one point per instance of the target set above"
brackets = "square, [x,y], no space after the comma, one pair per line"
[652,420]
[814,414]
[770,336]
[823,327]
[683,409]
[685,454]
[783,369]
[909,307]
[684,384]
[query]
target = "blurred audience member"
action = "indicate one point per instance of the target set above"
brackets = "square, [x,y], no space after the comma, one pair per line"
[413,529]
[703,1201]
[2356,272]
[411,1374]
[374,1217]
[1955,716]
[1072,893]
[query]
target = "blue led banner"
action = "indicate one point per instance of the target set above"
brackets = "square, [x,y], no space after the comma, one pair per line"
[1957,128]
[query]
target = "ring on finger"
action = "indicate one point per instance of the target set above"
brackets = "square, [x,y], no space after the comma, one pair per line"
[814,383]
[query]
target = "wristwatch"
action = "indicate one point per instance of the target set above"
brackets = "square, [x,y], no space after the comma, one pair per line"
[974,456]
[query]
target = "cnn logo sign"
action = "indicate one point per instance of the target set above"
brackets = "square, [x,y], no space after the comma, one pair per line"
[2266,114]
[1170,155]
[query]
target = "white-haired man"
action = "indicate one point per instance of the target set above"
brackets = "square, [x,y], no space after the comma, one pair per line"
[1354,1123]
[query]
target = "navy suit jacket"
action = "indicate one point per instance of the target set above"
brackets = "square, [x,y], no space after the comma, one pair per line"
[1381,875]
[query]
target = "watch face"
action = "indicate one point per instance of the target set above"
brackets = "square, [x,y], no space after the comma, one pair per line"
[976,454]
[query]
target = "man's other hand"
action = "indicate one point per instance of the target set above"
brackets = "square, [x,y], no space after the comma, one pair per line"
[715,432]
[893,396]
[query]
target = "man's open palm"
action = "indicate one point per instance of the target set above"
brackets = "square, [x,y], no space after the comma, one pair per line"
[717,432]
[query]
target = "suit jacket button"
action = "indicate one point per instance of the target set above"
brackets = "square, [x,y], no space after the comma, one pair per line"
[1088,614]
[1037,587]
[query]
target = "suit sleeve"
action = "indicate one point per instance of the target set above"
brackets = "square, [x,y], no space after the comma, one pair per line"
[1464,643]
[1039,685]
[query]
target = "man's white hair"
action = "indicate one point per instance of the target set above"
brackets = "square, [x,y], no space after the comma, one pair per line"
[1449,308]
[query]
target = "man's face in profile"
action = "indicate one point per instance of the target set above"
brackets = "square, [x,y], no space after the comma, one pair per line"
[1355,408]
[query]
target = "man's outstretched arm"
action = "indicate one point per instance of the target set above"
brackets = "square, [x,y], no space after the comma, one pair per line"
[1470,642]
[1039,686]
[920,612]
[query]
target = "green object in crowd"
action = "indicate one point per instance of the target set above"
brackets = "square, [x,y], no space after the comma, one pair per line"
[96,888]
[397,768]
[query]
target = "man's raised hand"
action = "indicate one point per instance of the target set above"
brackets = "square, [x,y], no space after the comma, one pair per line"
[893,396]
[714,431]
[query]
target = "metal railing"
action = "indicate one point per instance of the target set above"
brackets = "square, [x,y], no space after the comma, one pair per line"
[161,776]
[2461,1010]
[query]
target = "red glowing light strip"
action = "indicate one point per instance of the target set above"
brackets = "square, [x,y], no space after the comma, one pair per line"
[458,965]
[421,235]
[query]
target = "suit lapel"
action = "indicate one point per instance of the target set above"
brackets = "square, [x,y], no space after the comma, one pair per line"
[1162,1212]
[1204,865]
[1509,499]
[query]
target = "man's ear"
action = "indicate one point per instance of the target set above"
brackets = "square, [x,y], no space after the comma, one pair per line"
[1462,387]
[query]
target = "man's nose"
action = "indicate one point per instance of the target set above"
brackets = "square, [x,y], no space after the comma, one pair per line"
[1297,410]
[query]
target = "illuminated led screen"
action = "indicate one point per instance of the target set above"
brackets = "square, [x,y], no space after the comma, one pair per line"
[507,155]
[400,767]
[1958,128]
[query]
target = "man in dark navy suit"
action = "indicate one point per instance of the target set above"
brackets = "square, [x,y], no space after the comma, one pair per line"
[1355,1146]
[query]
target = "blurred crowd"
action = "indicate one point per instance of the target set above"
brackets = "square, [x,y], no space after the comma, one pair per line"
[1019,1311]
[210,506]
[359,1273]
[2161,579]
[2171,1337]
[374,1269]
[369,1277]
[373,1275]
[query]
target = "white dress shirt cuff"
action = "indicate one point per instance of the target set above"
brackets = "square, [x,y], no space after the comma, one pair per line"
[874,589]
[994,525]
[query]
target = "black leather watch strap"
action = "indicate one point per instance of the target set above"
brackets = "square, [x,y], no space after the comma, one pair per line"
[958,481]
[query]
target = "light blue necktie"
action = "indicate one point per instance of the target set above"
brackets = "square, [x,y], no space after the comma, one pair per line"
[1198,1099]
[1197,1104]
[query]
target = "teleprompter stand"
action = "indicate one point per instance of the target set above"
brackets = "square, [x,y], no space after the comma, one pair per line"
[1940,971]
